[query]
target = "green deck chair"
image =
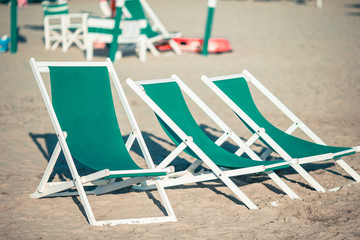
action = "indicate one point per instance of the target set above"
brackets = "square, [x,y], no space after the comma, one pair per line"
[155,31]
[235,92]
[165,98]
[83,115]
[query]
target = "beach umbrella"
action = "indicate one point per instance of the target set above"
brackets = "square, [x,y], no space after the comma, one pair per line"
[208,25]
[116,30]
[13,26]
[13,23]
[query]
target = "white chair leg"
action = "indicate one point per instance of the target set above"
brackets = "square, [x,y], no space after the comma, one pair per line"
[64,33]
[348,169]
[282,185]
[175,47]
[46,34]
[240,194]
[309,178]
[153,49]
[142,51]
[165,199]
[89,51]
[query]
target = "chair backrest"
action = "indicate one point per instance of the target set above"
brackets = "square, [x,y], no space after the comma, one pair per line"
[137,13]
[54,8]
[168,96]
[135,9]
[83,103]
[238,91]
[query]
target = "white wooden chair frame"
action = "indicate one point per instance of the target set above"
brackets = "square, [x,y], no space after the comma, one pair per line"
[189,175]
[57,30]
[297,123]
[52,189]
[141,40]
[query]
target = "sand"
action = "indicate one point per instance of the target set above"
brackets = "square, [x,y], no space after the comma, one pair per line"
[307,57]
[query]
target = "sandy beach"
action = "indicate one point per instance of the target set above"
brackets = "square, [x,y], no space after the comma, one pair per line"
[309,58]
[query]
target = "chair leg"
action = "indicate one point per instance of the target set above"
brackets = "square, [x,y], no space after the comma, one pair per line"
[220,174]
[55,45]
[236,190]
[309,178]
[46,35]
[153,49]
[49,168]
[64,33]
[142,51]
[85,201]
[282,185]
[165,200]
[89,50]
[348,169]
[175,47]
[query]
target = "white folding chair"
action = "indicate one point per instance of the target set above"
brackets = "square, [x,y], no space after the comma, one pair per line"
[62,27]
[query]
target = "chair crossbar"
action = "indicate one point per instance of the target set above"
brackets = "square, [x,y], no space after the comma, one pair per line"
[96,176]
[223,138]
[130,140]
[188,177]
[45,64]
[172,155]
[135,221]
[143,171]
[162,80]
[292,128]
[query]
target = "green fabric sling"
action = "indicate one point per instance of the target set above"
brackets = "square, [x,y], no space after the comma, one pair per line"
[238,91]
[109,31]
[137,13]
[169,98]
[54,8]
[82,100]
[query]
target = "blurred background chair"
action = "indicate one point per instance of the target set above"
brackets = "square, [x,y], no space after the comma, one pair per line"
[131,32]
[63,27]
[155,30]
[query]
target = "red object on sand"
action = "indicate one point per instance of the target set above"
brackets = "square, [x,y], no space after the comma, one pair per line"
[216,45]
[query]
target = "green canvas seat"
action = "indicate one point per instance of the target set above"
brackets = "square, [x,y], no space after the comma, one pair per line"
[82,112]
[137,13]
[234,90]
[169,98]
[165,97]
[238,91]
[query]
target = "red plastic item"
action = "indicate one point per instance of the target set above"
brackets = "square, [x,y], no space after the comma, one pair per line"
[216,45]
